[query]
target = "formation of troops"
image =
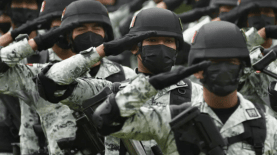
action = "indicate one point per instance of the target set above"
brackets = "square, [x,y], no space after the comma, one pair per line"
[131,77]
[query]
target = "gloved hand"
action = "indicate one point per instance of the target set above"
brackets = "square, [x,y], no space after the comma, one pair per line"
[47,87]
[265,51]
[117,46]
[271,31]
[238,11]
[30,26]
[164,80]
[197,13]
[48,39]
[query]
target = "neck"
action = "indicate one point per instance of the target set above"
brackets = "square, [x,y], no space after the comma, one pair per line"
[62,53]
[141,68]
[220,102]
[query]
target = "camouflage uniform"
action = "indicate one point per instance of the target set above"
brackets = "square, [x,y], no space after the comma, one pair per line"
[255,84]
[75,66]
[153,120]
[56,119]
[29,143]
[3,117]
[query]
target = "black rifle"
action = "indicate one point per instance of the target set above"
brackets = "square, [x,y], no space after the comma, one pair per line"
[197,128]
[264,62]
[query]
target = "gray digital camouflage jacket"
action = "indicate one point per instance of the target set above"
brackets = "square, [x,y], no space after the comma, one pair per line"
[154,120]
[57,120]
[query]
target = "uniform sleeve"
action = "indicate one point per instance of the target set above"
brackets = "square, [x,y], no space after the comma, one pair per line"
[150,123]
[134,95]
[86,89]
[255,87]
[66,71]
[189,33]
[253,38]
[270,146]
[17,81]
[13,54]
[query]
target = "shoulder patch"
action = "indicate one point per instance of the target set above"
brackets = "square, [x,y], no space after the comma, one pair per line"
[63,14]
[42,6]
[252,112]
[133,22]
[30,64]
[193,38]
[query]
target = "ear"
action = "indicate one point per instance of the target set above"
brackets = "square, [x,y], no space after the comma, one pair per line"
[135,49]
[199,75]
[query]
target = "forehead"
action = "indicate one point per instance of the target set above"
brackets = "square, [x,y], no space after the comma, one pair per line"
[92,24]
[24,1]
[226,59]
[161,37]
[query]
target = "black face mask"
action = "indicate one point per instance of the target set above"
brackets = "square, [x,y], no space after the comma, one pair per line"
[86,40]
[5,27]
[222,78]
[20,16]
[158,58]
[260,21]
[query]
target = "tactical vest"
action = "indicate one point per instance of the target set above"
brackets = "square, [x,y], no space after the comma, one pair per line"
[254,134]
[85,136]
[177,96]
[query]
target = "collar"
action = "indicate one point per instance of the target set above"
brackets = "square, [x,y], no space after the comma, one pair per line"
[107,68]
[53,57]
[245,111]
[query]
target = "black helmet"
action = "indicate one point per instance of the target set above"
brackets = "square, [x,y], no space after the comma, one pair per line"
[224,2]
[54,7]
[164,22]
[219,39]
[85,11]
[262,3]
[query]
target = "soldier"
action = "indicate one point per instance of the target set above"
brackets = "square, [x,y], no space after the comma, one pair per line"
[54,124]
[164,49]
[32,139]
[229,110]
[22,11]
[62,75]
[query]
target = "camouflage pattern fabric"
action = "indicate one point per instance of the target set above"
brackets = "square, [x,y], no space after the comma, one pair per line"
[161,98]
[28,139]
[16,52]
[57,120]
[252,37]
[256,84]
[73,67]
[153,120]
